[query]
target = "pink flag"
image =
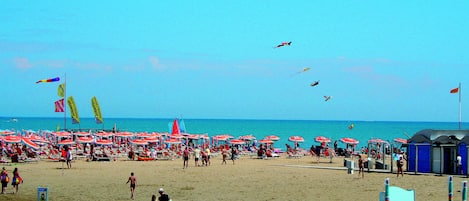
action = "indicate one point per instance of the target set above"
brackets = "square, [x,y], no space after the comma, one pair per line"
[59,105]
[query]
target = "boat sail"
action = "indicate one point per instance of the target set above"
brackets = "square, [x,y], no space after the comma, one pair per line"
[73,110]
[97,111]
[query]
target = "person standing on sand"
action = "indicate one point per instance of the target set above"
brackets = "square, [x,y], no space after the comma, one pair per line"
[4,179]
[459,165]
[197,156]
[185,156]
[69,158]
[361,166]
[208,156]
[234,152]
[133,183]
[224,155]
[17,180]
[400,163]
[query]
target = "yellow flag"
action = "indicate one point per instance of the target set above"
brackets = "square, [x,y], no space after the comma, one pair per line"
[97,111]
[73,110]
[61,90]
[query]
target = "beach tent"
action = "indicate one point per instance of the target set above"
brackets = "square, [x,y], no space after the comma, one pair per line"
[436,150]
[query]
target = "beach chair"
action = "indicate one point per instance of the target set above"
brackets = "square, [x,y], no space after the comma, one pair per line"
[397,193]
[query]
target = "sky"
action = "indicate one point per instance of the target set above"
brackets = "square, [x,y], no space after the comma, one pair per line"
[380,61]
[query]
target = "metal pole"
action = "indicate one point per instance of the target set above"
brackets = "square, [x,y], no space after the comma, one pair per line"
[460,112]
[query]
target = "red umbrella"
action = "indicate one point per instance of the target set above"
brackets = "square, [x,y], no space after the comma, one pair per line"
[12,139]
[173,141]
[266,141]
[82,133]
[376,141]
[30,143]
[400,140]
[139,142]
[124,134]
[104,134]
[37,138]
[247,137]
[103,142]
[272,137]
[322,139]
[151,139]
[61,134]
[6,132]
[296,139]
[66,142]
[236,142]
[85,139]
[347,140]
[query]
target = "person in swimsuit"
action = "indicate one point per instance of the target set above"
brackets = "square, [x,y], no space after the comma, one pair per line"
[224,154]
[17,180]
[133,183]
[185,155]
[361,166]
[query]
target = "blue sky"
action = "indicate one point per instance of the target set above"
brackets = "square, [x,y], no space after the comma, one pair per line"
[392,61]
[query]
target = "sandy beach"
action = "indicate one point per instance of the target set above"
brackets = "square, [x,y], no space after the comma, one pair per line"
[248,179]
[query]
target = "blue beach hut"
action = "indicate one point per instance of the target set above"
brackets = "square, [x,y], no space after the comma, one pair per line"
[436,151]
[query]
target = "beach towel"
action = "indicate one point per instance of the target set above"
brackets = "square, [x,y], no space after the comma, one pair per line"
[17,180]
[5,178]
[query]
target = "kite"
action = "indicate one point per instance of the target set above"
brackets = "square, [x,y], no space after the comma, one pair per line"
[302,71]
[55,79]
[327,98]
[283,44]
[314,83]
[350,127]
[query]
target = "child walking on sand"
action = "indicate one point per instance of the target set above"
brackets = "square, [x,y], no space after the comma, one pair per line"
[133,182]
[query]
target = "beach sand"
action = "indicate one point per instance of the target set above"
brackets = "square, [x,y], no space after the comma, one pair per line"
[248,179]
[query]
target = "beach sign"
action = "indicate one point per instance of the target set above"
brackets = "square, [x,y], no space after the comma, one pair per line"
[42,194]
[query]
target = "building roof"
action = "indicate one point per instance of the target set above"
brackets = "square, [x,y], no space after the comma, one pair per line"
[440,136]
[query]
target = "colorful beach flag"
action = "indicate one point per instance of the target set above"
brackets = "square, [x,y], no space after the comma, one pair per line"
[59,105]
[55,79]
[61,90]
[455,90]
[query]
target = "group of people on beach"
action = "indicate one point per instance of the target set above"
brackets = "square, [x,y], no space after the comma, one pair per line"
[5,179]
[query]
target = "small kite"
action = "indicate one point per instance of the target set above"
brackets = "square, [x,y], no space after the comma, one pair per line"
[55,79]
[314,83]
[350,127]
[283,44]
[302,71]
[327,98]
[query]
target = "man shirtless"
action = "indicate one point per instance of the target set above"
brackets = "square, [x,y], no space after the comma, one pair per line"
[133,182]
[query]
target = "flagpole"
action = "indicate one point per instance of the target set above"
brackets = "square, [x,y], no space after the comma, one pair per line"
[65,100]
[460,111]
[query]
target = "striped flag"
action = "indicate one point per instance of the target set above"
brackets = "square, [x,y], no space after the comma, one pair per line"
[455,90]
[55,79]
[61,90]
[59,105]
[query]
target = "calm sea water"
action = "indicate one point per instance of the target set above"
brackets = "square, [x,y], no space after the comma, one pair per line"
[363,130]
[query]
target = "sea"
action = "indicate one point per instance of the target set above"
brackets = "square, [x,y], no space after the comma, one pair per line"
[308,129]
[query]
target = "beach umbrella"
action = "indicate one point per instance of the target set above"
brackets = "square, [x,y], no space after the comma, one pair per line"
[61,134]
[193,136]
[28,142]
[173,141]
[85,140]
[6,132]
[82,133]
[124,134]
[37,138]
[296,139]
[272,137]
[237,142]
[247,137]
[66,142]
[151,139]
[104,134]
[322,139]
[376,141]
[139,142]
[12,139]
[103,142]
[266,141]
[347,140]
[400,140]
